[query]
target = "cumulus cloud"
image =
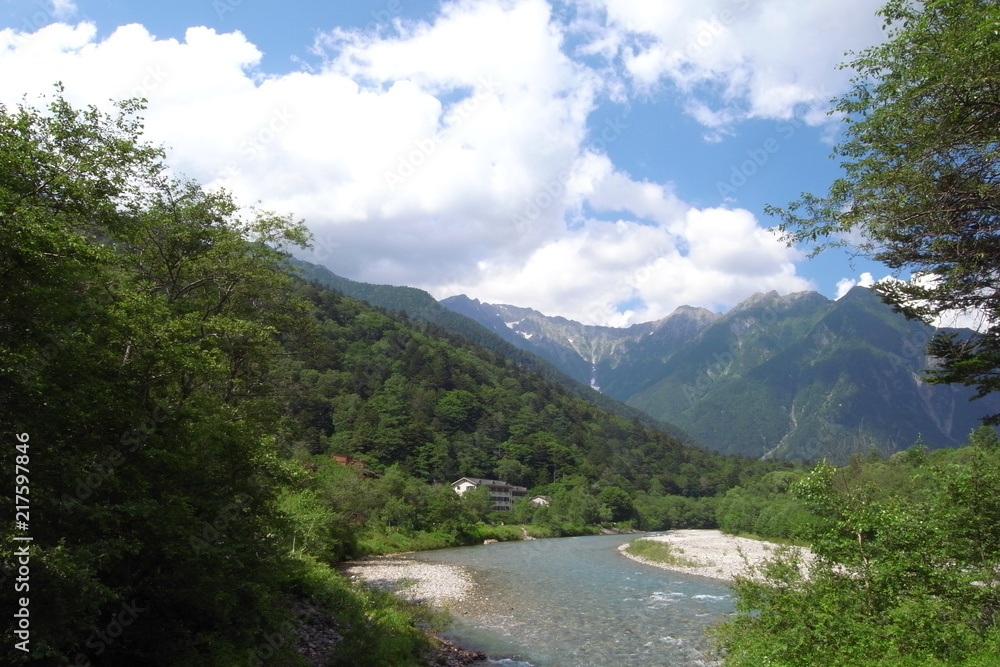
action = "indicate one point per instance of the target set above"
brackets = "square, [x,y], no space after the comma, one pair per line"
[457,154]
[974,319]
[736,58]
[623,272]
[845,285]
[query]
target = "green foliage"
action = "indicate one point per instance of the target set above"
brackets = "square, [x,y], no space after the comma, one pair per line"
[766,507]
[391,391]
[316,527]
[907,569]
[375,628]
[139,328]
[660,552]
[476,502]
[667,512]
[616,504]
[182,393]
[985,438]
[421,306]
[920,159]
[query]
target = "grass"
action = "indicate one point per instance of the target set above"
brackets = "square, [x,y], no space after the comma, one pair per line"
[376,627]
[382,542]
[661,552]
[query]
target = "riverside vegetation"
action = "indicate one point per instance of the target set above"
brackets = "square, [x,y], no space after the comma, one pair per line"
[182,391]
[660,552]
[907,566]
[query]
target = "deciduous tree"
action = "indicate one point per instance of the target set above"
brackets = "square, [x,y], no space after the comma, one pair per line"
[921,184]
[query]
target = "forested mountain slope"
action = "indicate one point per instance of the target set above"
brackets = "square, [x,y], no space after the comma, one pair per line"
[798,376]
[173,391]
[803,377]
[397,391]
[421,306]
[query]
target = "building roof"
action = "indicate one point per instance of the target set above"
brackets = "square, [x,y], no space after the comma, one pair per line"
[479,480]
[493,483]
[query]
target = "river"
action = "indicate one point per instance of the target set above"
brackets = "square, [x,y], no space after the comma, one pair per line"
[576,601]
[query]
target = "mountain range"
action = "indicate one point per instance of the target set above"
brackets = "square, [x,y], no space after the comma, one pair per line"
[418,305]
[797,376]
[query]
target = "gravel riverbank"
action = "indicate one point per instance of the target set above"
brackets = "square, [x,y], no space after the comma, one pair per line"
[429,583]
[433,583]
[718,555]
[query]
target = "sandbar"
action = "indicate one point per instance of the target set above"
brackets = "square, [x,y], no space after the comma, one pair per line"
[718,555]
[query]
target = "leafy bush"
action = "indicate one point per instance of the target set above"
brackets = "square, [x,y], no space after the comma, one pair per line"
[904,575]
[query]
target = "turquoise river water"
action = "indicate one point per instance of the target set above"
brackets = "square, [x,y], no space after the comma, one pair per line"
[576,602]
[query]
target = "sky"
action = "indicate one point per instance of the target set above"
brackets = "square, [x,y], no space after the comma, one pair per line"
[602,160]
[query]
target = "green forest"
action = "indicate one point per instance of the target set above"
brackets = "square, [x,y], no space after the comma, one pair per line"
[906,561]
[174,392]
[907,566]
[174,388]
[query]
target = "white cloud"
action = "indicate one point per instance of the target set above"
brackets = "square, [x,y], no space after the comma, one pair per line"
[597,274]
[453,155]
[976,320]
[845,285]
[741,59]
[64,9]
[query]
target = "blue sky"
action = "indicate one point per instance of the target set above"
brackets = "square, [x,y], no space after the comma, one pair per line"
[604,160]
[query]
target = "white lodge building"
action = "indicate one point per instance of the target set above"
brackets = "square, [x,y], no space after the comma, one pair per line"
[502,494]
